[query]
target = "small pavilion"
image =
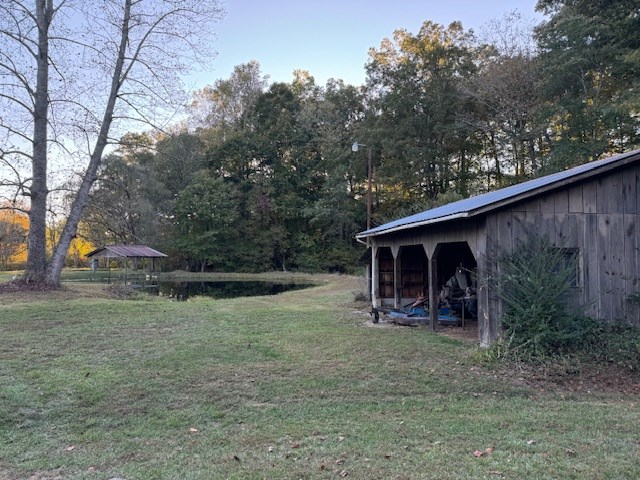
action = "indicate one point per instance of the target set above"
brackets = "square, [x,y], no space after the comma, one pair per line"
[136,253]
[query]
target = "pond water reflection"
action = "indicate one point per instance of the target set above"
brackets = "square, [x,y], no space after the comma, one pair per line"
[181,290]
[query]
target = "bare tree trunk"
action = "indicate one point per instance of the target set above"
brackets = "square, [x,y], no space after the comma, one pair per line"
[496,159]
[82,197]
[37,254]
[166,36]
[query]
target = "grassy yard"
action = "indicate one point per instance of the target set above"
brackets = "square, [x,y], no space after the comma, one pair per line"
[299,385]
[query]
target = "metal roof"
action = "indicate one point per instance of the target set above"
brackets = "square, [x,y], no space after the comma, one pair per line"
[130,251]
[497,198]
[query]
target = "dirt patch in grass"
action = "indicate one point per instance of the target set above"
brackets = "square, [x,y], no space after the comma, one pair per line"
[468,334]
[578,377]
[122,292]
[6,474]
[21,291]
[566,377]
[19,286]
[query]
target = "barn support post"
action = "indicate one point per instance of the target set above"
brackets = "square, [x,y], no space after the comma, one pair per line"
[367,276]
[486,263]
[484,322]
[433,292]
[397,276]
[374,275]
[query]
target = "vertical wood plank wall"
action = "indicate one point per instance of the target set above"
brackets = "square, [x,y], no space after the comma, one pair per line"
[600,218]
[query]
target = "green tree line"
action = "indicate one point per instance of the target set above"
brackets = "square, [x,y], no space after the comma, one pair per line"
[261,176]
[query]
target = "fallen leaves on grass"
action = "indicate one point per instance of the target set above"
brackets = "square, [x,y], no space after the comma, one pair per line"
[21,285]
[122,292]
[482,453]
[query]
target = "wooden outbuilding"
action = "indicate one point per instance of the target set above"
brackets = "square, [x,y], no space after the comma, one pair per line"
[591,211]
[135,253]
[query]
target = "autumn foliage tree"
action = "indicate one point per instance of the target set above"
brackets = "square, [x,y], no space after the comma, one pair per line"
[13,231]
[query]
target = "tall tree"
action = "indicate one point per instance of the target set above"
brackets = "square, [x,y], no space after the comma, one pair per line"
[227,104]
[426,146]
[205,217]
[176,161]
[127,204]
[82,68]
[506,91]
[590,60]
[281,157]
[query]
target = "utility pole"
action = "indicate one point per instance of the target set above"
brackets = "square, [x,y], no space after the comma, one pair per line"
[354,148]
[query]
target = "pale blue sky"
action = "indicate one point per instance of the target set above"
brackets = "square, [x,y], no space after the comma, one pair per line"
[331,38]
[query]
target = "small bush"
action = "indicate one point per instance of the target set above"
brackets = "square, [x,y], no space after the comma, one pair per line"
[535,286]
[617,343]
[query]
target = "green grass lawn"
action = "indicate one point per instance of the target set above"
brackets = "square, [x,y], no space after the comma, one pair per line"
[299,385]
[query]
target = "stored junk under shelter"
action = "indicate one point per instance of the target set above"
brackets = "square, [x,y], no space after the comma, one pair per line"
[592,211]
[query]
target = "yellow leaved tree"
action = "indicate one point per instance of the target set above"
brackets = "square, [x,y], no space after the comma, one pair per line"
[13,238]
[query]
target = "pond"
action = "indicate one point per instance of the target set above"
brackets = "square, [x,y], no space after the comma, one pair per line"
[181,290]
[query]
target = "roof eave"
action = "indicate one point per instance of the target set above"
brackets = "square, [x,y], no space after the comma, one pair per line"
[621,162]
[407,226]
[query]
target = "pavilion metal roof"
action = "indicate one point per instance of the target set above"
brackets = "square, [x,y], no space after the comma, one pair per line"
[129,251]
[498,198]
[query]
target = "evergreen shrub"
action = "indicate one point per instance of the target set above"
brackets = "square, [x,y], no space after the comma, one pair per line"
[535,284]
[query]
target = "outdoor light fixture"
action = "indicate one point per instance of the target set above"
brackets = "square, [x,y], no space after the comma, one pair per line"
[356,145]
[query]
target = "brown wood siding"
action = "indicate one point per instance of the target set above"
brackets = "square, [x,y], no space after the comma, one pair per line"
[590,266]
[600,219]
[632,266]
[489,327]
[575,199]
[589,197]
[630,191]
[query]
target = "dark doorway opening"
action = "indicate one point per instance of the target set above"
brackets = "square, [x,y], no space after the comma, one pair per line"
[413,272]
[457,280]
[385,273]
